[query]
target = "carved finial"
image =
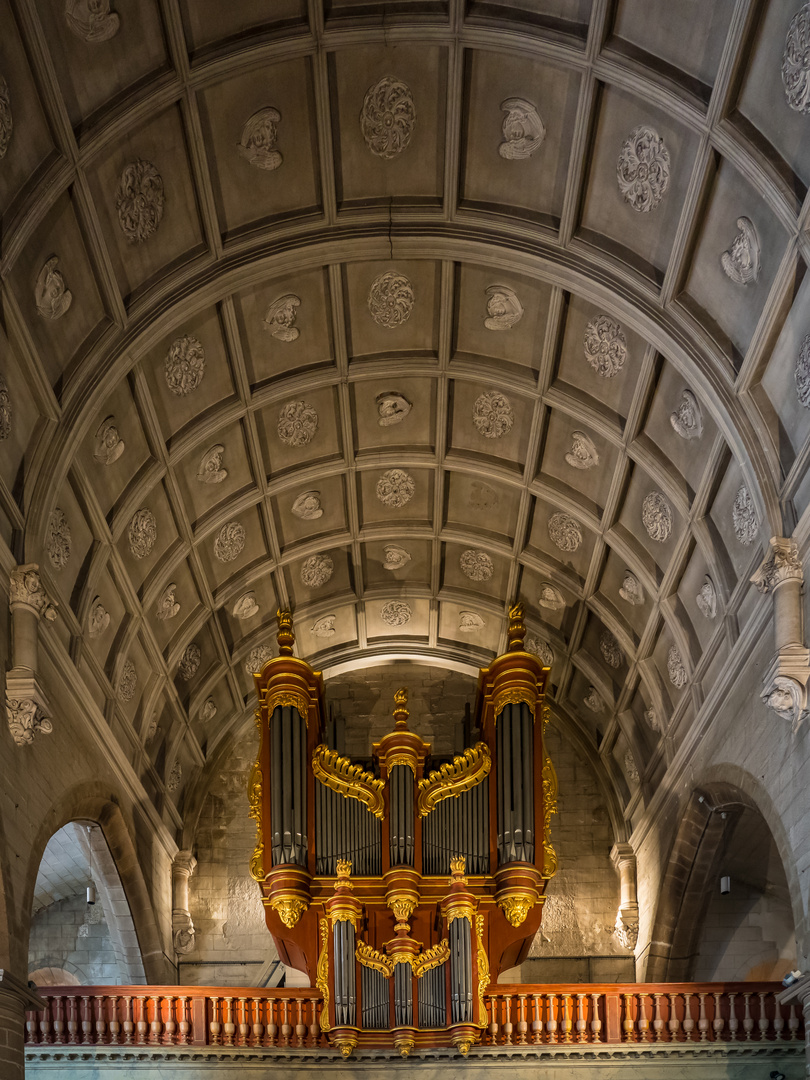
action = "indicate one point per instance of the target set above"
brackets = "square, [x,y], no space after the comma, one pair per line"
[517,631]
[457,867]
[343,868]
[284,635]
[401,714]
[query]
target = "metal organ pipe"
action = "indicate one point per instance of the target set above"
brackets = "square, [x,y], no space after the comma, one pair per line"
[458,826]
[401,781]
[345,979]
[515,747]
[288,740]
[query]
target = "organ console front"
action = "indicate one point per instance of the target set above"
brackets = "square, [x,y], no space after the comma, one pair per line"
[403,891]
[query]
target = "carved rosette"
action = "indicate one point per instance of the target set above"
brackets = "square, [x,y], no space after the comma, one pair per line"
[98,619]
[741,261]
[25,720]
[493,415]
[175,776]
[51,294]
[550,597]
[396,613]
[229,542]
[109,446]
[802,373]
[168,607]
[687,419]
[139,201]
[259,137]
[390,299]
[246,606]
[316,571]
[583,454]
[210,470]
[706,599]
[656,515]
[395,488]
[782,563]
[631,589]
[652,719]
[796,61]
[5,410]
[675,668]
[605,346]
[58,539]
[643,169]
[91,20]
[744,517]
[257,658]
[523,129]
[388,117]
[6,119]
[185,365]
[142,533]
[189,662]
[128,681]
[297,423]
[564,531]
[26,588]
[476,565]
[610,649]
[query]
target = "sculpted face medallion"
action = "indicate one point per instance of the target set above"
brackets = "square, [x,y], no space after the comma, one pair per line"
[583,454]
[259,136]
[109,444]
[308,506]
[523,130]
[279,319]
[392,408]
[504,310]
[687,419]
[91,20]
[52,295]
[741,261]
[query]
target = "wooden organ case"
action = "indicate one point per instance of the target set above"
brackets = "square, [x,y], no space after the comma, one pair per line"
[403,894]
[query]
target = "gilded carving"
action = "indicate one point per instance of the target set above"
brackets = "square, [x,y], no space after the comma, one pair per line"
[109,444]
[229,542]
[128,681]
[98,619]
[482,965]
[350,781]
[308,506]
[466,771]
[259,137]
[523,129]
[549,808]
[564,531]
[802,373]
[91,20]
[53,297]
[395,488]
[744,517]
[631,589]
[516,907]
[396,613]
[476,565]
[431,958]
[322,973]
[142,533]
[643,169]
[6,119]
[504,310]
[392,408]
[289,909]
[210,470]
[139,201]
[289,699]
[185,365]
[189,662]
[796,61]
[316,571]
[656,515]
[687,419]
[324,627]
[493,415]
[369,957]
[583,454]
[706,599]
[246,606]
[390,299]
[469,622]
[675,668]
[388,117]
[254,794]
[741,261]
[514,695]
[168,607]
[605,346]
[395,558]
[58,539]
[610,649]
[26,719]
[5,409]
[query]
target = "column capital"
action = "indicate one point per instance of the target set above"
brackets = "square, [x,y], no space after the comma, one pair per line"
[11,986]
[781,564]
[26,707]
[622,852]
[184,863]
[26,590]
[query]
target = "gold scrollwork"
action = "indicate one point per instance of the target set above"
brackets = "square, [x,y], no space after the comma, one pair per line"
[401,757]
[289,909]
[466,771]
[370,958]
[280,699]
[431,958]
[254,792]
[322,973]
[514,695]
[516,907]
[549,808]
[348,780]
[482,963]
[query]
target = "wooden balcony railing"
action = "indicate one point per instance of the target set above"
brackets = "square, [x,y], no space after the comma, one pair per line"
[519,1016]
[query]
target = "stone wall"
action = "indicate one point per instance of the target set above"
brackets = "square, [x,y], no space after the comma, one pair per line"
[747,935]
[73,935]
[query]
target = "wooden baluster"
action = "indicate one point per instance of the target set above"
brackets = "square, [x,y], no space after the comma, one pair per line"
[703,1021]
[59,1021]
[31,1025]
[537,1023]
[72,1022]
[215,1027]
[733,1022]
[300,1027]
[101,1023]
[551,1023]
[87,1020]
[129,1027]
[628,1030]
[793,1022]
[748,1021]
[257,1027]
[183,1025]
[45,1024]
[658,1023]
[243,1030]
[508,1027]
[688,1021]
[580,1022]
[566,1020]
[643,1020]
[718,1023]
[286,1026]
[142,1025]
[493,1023]
[778,1021]
[314,1027]
[229,1027]
[673,1024]
[114,1026]
[170,1027]
[156,1026]
[272,1025]
[764,1022]
[522,1026]
[596,1023]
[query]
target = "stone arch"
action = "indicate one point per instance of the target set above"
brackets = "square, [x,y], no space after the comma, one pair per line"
[139,943]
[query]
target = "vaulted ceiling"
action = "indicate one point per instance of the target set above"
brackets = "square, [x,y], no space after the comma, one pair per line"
[394,313]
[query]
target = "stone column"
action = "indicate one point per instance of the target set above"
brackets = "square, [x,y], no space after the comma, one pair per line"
[799,994]
[15,998]
[26,704]
[626,929]
[183,933]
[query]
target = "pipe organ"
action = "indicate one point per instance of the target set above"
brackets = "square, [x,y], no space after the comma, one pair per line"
[402,891]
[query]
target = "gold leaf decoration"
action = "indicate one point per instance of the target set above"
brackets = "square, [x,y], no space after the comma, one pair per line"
[370,958]
[549,808]
[466,771]
[322,973]
[350,781]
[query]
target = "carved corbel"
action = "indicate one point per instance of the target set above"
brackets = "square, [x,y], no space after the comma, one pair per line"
[183,932]
[627,917]
[785,682]
[26,705]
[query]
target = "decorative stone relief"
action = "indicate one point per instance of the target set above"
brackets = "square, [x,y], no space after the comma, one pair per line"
[656,514]
[741,261]
[109,445]
[630,767]
[706,599]
[540,648]
[139,201]
[643,169]
[493,415]
[152,729]
[395,488]
[744,516]
[605,346]
[392,408]
[796,61]
[91,20]
[229,542]
[476,565]
[395,558]
[246,606]
[297,423]
[325,626]
[631,589]
[316,571]
[523,129]
[58,539]
[388,117]
[189,662]
[184,933]
[504,310]
[396,613]
[610,649]
[782,563]
[259,137]
[53,297]
[25,587]
[185,365]
[802,373]
[208,711]
[390,299]
[469,622]
[626,930]
[564,531]
[167,605]
[98,619]
[550,597]
[652,719]
[25,719]
[257,658]
[5,410]
[210,470]
[583,454]
[6,119]
[482,496]
[128,681]
[279,319]
[308,506]
[675,668]
[593,700]
[687,419]
[175,776]
[142,533]
[787,698]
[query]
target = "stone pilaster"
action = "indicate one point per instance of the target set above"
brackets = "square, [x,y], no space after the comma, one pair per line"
[26,705]
[626,929]
[183,932]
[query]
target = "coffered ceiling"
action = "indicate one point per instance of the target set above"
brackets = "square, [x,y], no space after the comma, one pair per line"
[394,313]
